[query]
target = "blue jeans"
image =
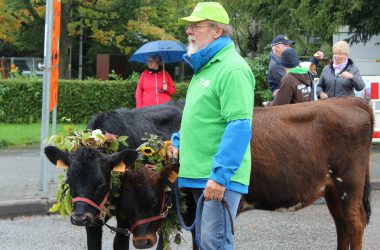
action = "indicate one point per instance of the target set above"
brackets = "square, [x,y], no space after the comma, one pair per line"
[212,225]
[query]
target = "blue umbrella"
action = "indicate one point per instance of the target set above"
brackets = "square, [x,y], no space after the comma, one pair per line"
[170,51]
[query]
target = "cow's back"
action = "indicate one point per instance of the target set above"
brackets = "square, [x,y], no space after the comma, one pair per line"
[295,146]
[161,120]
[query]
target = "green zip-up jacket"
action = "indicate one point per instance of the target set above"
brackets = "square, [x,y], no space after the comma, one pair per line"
[222,91]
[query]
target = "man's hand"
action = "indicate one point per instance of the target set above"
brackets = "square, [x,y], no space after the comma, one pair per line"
[323,95]
[213,191]
[171,152]
[318,55]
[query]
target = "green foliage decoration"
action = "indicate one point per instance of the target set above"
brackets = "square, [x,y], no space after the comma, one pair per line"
[71,142]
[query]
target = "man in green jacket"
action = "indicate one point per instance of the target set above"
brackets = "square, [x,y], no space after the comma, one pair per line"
[216,123]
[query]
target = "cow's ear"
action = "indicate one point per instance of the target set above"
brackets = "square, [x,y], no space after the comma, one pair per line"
[169,173]
[58,157]
[122,160]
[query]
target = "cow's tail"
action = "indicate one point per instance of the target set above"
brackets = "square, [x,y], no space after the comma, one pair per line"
[367,196]
[367,187]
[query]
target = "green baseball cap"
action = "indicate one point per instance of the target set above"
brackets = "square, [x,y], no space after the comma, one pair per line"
[213,11]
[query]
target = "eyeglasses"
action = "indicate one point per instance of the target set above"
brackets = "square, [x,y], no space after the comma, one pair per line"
[151,61]
[194,26]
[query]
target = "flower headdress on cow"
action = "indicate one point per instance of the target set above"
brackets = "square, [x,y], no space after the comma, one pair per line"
[153,156]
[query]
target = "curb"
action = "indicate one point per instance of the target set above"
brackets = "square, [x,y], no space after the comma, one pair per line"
[27,207]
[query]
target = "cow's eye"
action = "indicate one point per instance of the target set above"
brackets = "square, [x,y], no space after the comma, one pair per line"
[100,187]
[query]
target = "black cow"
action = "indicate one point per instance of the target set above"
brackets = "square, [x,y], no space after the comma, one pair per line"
[89,172]
[161,120]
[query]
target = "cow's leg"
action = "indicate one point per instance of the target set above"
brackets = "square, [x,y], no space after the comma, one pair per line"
[335,207]
[354,214]
[353,211]
[121,241]
[94,237]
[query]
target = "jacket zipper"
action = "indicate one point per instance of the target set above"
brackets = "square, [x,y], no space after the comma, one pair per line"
[155,77]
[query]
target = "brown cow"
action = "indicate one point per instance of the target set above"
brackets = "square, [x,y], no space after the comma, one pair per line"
[301,152]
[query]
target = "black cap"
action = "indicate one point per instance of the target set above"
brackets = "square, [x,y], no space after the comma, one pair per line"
[281,39]
[289,58]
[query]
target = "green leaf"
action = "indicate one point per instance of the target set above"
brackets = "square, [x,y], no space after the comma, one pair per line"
[68,128]
[114,145]
[68,206]
[69,145]
[100,137]
[62,212]
[55,207]
[122,138]
[85,136]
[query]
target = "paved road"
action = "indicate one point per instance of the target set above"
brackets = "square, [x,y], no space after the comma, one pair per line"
[309,228]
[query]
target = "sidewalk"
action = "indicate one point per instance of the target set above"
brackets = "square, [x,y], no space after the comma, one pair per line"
[20,181]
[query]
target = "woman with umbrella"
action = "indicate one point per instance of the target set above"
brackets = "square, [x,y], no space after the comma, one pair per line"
[155,86]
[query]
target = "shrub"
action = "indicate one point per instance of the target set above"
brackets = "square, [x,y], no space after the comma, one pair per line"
[259,66]
[21,98]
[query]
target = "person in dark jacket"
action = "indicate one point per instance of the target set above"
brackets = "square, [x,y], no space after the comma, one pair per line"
[295,85]
[275,69]
[341,77]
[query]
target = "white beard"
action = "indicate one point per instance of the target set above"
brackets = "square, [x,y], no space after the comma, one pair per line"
[195,46]
[191,49]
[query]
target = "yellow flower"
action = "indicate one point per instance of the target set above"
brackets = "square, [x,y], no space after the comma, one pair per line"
[147,151]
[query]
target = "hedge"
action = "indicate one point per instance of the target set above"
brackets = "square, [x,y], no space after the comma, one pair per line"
[21,98]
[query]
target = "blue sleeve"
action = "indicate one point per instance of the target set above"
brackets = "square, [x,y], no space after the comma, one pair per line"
[175,139]
[232,148]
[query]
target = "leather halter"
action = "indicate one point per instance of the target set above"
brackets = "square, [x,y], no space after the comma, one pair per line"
[91,203]
[162,215]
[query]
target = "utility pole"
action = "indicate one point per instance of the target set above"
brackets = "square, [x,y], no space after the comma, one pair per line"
[50,83]
[45,116]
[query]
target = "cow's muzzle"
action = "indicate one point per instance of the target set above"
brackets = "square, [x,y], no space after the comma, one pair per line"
[82,219]
[146,241]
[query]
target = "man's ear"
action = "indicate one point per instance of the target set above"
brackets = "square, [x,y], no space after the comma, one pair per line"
[218,32]
[121,160]
[60,158]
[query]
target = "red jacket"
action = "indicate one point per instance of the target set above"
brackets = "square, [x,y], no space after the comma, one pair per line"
[149,89]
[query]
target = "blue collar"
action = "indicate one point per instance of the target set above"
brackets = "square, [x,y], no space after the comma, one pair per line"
[202,57]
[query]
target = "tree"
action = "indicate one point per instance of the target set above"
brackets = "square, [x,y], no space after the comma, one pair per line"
[108,26]
[306,21]
[364,22]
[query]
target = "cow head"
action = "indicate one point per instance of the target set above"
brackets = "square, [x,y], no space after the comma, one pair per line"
[89,177]
[145,201]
